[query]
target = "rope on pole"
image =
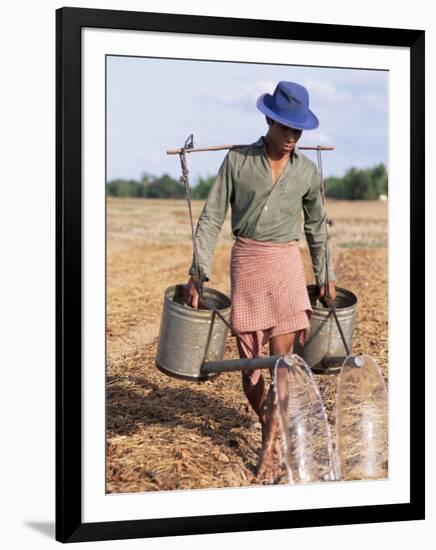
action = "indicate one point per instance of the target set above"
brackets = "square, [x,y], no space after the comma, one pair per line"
[328,222]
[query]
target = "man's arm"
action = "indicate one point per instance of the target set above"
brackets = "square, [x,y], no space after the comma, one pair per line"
[316,231]
[212,218]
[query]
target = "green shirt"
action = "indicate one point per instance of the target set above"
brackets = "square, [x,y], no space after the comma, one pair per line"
[262,210]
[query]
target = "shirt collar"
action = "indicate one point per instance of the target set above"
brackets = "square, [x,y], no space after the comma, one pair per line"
[260,143]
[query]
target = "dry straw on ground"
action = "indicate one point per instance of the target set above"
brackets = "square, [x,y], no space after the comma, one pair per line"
[165,434]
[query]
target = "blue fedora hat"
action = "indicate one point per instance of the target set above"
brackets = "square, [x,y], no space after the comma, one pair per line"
[289,105]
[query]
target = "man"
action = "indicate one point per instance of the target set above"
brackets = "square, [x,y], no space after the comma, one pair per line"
[268,184]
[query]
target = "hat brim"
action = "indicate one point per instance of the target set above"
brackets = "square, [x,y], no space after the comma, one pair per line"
[309,124]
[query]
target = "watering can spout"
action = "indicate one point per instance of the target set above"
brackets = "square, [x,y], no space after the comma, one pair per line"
[229,365]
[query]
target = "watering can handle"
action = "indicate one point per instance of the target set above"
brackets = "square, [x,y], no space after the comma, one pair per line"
[327,299]
[331,305]
[202,302]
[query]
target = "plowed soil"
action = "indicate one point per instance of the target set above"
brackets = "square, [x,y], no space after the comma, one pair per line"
[164,433]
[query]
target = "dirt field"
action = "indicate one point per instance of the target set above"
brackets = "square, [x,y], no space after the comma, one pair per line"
[163,433]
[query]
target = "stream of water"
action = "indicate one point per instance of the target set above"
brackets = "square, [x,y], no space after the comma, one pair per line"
[362,420]
[361,450]
[305,433]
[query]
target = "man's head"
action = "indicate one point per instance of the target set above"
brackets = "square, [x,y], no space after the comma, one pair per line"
[289,106]
[282,138]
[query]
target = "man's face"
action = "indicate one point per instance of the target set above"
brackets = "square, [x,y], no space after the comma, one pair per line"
[283,137]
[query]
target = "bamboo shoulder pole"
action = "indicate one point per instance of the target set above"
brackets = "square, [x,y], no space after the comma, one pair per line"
[221,147]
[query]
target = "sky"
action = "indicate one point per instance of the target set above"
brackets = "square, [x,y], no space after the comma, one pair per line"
[154,104]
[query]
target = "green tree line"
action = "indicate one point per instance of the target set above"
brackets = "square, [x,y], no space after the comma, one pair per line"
[356,184]
[164,187]
[363,184]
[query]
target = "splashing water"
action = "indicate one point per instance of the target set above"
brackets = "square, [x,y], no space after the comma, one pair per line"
[305,433]
[362,415]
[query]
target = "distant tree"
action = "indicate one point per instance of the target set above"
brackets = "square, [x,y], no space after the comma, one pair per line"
[381,177]
[146,179]
[359,182]
[201,190]
[363,184]
[336,188]
[122,188]
[165,188]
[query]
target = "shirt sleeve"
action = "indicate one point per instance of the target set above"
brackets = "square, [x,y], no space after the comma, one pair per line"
[212,218]
[315,230]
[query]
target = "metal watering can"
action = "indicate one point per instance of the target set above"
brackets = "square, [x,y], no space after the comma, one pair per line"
[325,351]
[192,341]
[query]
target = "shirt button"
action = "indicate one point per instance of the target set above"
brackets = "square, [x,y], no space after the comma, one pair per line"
[266,207]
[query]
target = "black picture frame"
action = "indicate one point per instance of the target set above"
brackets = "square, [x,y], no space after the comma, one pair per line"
[69,524]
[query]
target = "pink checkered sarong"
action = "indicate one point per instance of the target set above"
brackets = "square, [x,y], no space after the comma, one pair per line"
[268,287]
